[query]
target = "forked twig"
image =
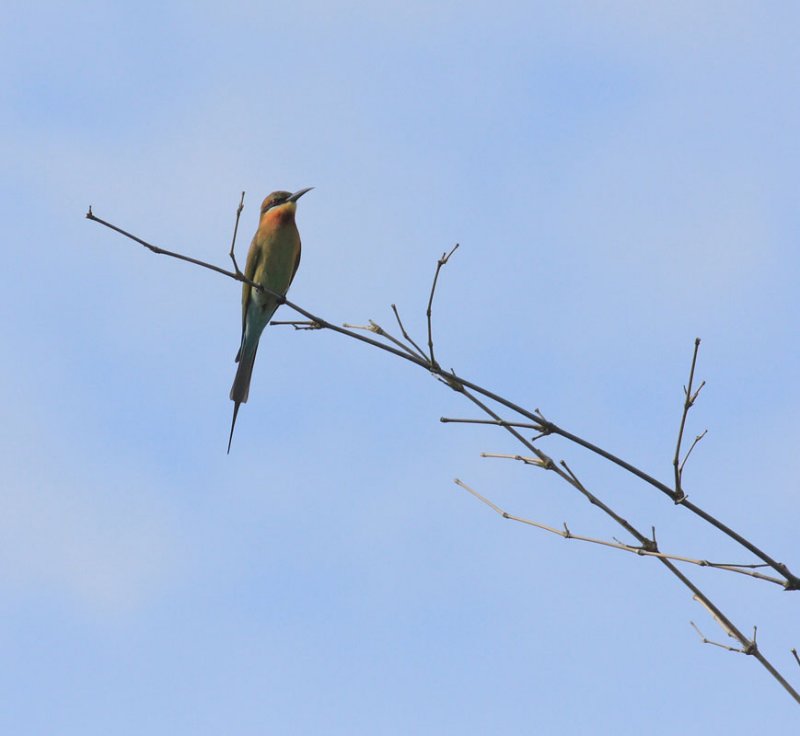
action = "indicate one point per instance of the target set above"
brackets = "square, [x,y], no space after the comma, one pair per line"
[378,330]
[689,452]
[706,640]
[689,399]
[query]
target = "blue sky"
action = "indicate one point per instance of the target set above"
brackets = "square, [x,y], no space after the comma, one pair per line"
[622,177]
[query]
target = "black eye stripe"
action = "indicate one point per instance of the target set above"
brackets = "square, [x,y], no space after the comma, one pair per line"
[274,203]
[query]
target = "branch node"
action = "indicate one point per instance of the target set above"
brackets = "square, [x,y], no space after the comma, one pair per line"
[648,545]
[451,380]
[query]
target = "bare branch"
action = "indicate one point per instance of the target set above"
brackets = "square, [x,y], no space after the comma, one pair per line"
[461,385]
[456,382]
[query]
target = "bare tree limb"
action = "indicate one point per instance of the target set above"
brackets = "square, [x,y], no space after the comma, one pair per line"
[467,388]
[453,380]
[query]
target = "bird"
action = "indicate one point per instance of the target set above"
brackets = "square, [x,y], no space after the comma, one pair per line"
[272,262]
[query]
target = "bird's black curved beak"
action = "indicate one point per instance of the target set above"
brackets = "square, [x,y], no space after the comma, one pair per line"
[294,197]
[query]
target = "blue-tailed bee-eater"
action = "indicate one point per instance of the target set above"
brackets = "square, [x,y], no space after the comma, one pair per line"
[272,262]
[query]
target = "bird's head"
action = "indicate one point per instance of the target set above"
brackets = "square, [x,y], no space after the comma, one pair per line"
[281,205]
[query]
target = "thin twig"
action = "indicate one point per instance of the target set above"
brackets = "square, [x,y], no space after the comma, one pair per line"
[687,404]
[492,506]
[298,324]
[520,458]
[408,337]
[441,262]
[522,425]
[238,276]
[794,654]
[235,230]
[693,445]
[378,330]
[706,640]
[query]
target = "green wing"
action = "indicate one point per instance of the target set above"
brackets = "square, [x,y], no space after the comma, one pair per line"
[296,264]
[253,258]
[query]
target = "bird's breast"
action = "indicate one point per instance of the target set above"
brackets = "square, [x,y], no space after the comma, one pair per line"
[280,248]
